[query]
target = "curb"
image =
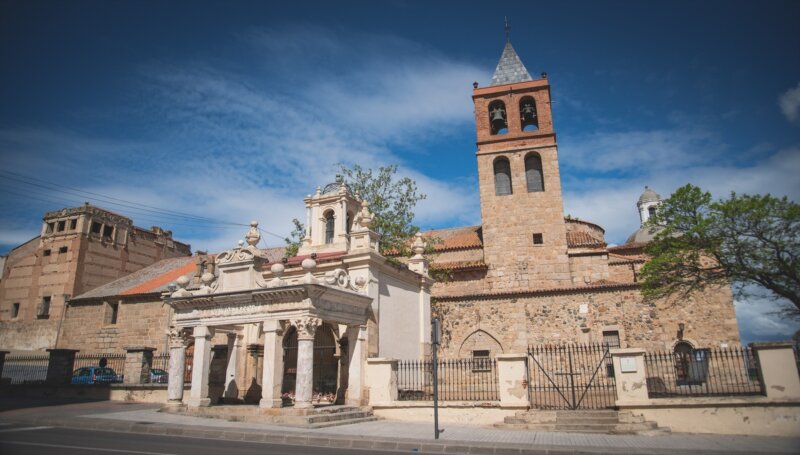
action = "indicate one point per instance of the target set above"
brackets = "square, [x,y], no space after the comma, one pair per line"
[306,439]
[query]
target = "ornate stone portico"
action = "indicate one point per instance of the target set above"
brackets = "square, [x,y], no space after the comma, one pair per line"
[303,306]
[246,303]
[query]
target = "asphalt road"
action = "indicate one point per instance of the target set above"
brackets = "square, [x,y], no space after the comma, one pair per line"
[27,440]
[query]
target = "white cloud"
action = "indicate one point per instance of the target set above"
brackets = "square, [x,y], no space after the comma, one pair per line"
[230,146]
[789,102]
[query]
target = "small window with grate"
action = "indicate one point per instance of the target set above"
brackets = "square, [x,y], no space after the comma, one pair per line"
[15,311]
[62,250]
[610,341]
[538,239]
[46,253]
[481,360]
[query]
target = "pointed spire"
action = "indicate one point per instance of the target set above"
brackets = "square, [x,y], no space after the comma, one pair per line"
[510,68]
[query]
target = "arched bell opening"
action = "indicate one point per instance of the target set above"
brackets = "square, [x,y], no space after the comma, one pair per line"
[329,223]
[533,172]
[326,365]
[529,120]
[498,120]
[502,176]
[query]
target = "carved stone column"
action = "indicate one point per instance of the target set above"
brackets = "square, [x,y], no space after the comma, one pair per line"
[306,329]
[177,365]
[231,391]
[198,395]
[357,336]
[272,377]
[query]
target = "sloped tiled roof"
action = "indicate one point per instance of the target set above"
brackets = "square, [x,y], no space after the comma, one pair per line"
[459,265]
[510,68]
[151,279]
[603,285]
[578,239]
[625,259]
[456,238]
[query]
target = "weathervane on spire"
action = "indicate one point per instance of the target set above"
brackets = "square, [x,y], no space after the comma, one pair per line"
[508,30]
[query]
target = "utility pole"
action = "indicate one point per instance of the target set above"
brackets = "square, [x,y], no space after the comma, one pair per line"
[436,339]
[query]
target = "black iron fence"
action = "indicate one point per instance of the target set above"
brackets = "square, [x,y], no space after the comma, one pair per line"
[571,376]
[25,369]
[703,372]
[459,380]
[115,361]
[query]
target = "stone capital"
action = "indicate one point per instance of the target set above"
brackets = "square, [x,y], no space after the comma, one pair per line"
[306,327]
[178,338]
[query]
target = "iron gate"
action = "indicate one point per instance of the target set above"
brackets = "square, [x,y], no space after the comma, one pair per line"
[575,376]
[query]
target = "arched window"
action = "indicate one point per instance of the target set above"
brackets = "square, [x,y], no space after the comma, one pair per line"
[651,211]
[329,226]
[529,121]
[497,117]
[502,176]
[533,172]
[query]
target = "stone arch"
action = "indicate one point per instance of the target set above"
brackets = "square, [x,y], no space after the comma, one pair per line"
[502,176]
[479,340]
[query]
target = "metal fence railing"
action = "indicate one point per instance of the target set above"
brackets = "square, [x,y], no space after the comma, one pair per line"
[703,372]
[571,376]
[459,380]
[113,361]
[25,369]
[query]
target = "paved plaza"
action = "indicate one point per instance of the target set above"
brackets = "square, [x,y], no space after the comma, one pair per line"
[383,434]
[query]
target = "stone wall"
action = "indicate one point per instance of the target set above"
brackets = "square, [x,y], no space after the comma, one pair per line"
[582,316]
[138,324]
[64,262]
[589,266]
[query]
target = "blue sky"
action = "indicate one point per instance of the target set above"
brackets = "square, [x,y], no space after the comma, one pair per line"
[236,110]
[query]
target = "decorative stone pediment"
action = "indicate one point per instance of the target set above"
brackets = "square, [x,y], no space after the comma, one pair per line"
[285,303]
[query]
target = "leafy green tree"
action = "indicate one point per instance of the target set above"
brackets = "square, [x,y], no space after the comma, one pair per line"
[295,238]
[391,200]
[742,240]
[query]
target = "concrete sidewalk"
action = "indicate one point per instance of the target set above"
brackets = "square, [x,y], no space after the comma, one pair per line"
[384,434]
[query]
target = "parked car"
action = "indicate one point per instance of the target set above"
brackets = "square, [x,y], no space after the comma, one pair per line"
[158,376]
[95,375]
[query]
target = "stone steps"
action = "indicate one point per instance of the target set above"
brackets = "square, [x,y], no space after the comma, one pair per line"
[321,417]
[583,421]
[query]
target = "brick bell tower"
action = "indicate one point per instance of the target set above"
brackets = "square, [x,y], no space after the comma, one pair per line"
[524,232]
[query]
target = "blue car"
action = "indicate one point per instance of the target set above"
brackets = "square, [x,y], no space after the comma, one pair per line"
[95,375]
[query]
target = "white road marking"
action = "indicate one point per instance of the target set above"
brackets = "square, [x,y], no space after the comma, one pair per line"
[9,430]
[60,446]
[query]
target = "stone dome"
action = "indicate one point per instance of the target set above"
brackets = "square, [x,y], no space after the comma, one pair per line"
[649,196]
[643,235]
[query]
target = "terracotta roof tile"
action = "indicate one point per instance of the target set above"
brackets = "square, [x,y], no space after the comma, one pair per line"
[603,285]
[151,279]
[459,265]
[161,280]
[578,239]
[456,238]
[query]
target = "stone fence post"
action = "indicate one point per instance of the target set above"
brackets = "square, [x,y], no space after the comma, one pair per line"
[2,361]
[630,375]
[778,370]
[381,378]
[60,366]
[138,362]
[512,380]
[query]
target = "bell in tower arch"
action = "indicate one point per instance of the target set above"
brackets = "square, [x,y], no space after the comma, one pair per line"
[527,111]
[497,117]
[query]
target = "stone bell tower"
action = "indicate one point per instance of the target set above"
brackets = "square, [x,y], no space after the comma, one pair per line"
[524,232]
